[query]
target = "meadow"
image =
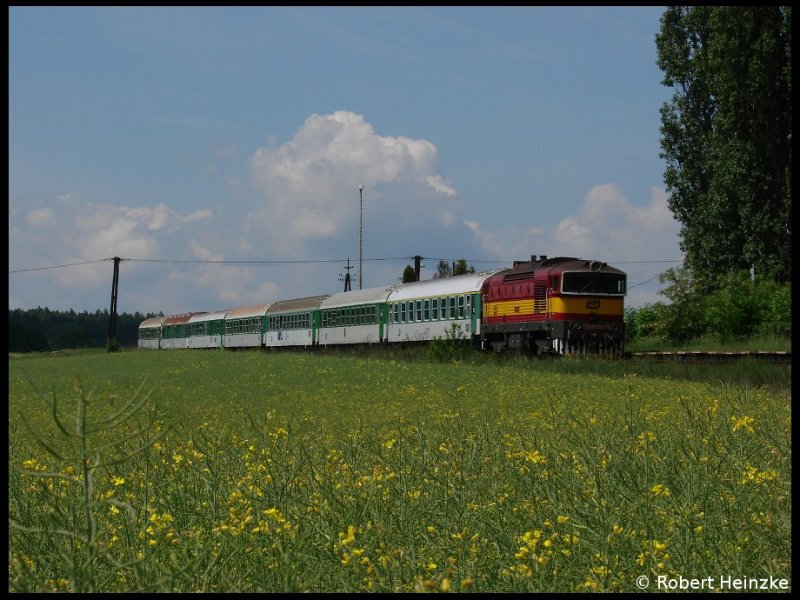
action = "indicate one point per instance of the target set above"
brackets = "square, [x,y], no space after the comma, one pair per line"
[205,471]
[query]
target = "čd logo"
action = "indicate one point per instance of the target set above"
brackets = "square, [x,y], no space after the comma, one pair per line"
[593,304]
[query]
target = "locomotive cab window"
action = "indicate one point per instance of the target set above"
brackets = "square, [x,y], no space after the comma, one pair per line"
[612,284]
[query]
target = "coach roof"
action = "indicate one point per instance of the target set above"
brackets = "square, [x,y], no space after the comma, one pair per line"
[367,296]
[253,310]
[444,286]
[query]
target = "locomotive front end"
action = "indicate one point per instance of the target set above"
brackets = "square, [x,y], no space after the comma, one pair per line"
[586,308]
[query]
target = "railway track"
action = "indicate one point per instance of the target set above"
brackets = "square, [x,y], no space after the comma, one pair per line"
[720,357]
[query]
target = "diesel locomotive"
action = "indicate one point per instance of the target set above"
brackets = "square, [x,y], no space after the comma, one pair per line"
[555,305]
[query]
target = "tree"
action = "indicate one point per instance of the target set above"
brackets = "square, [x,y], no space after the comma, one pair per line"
[460,267]
[726,136]
[443,270]
[409,275]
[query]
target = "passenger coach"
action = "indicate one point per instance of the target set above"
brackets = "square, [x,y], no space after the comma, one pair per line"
[293,322]
[424,310]
[355,317]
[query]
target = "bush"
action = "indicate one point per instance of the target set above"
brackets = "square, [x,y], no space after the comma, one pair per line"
[453,347]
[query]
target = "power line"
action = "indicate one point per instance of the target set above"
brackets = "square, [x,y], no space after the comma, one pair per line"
[87,262]
[258,262]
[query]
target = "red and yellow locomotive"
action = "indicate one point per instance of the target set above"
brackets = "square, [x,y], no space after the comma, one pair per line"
[555,305]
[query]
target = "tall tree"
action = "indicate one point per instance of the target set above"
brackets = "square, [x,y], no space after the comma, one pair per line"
[409,275]
[460,267]
[443,269]
[726,135]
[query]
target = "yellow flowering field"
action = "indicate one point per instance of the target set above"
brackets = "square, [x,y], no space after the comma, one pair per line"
[206,471]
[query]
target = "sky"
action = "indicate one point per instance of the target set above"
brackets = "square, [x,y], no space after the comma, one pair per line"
[219,150]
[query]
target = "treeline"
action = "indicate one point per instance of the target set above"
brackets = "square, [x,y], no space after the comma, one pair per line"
[42,329]
[738,306]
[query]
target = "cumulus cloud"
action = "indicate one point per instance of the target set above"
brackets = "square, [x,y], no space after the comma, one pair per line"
[309,184]
[610,225]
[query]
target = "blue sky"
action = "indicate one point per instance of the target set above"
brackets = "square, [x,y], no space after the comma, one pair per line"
[242,134]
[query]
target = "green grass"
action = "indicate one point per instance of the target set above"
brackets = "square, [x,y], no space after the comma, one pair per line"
[265,472]
[770,344]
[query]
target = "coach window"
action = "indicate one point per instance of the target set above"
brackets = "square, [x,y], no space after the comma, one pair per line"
[427,309]
[468,305]
[435,309]
[452,307]
[461,307]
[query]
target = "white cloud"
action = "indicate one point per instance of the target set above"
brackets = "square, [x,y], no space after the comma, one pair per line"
[438,184]
[309,184]
[198,215]
[42,217]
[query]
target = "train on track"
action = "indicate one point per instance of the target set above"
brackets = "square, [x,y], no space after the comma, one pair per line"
[543,305]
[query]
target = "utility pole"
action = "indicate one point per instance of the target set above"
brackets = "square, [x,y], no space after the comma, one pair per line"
[111,343]
[417,266]
[361,237]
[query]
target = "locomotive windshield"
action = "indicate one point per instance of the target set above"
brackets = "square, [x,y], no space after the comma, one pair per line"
[594,283]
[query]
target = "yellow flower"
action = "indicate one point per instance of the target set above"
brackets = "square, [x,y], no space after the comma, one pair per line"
[660,490]
[348,539]
[445,586]
[602,571]
[744,422]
